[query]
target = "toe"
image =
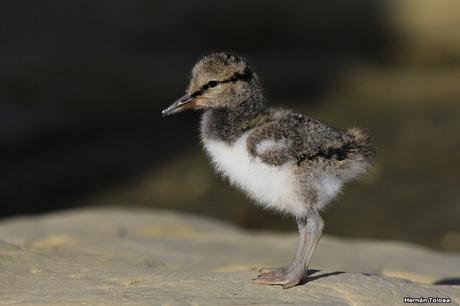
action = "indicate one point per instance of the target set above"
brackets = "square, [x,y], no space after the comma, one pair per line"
[268,281]
[290,284]
[279,277]
[271,275]
[267,270]
[266,275]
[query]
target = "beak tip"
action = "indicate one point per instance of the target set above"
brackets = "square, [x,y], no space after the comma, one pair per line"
[176,106]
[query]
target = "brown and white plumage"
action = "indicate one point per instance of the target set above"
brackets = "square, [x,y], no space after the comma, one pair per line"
[283,160]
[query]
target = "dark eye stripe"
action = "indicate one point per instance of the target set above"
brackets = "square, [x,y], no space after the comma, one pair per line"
[245,76]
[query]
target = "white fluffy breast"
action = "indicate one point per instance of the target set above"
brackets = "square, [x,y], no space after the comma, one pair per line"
[272,186]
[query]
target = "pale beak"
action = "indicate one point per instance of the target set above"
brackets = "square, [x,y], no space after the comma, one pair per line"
[179,105]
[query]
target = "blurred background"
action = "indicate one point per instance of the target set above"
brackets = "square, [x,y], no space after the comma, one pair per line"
[82,85]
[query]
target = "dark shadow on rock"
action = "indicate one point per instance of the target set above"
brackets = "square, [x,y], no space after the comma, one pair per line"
[310,278]
[448,281]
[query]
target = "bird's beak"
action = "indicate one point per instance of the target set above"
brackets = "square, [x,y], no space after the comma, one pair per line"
[179,105]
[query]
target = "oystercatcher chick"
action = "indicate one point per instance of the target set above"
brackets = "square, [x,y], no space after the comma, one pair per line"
[285,161]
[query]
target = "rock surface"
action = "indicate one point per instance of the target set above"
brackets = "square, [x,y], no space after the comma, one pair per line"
[145,257]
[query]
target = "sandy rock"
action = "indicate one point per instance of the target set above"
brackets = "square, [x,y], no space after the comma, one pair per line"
[149,257]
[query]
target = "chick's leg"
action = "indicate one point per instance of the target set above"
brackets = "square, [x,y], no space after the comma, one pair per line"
[310,231]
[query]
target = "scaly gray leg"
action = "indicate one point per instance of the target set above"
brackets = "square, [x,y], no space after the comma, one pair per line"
[310,230]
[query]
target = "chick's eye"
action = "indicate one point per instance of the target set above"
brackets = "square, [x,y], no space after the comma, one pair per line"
[212,84]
